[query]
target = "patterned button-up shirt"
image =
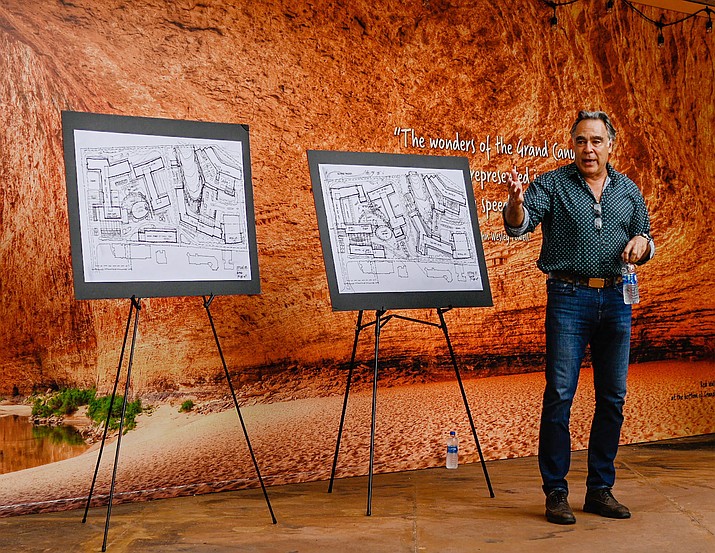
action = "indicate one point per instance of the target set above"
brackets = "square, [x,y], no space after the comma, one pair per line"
[580,235]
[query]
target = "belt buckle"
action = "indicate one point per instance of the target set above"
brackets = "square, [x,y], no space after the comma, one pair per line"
[596,282]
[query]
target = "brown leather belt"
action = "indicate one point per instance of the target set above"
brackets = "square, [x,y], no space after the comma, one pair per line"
[585,281]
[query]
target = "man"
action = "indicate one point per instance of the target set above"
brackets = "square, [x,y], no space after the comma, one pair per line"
[593,221]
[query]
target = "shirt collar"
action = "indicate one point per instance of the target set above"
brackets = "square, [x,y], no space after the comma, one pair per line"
[610,174]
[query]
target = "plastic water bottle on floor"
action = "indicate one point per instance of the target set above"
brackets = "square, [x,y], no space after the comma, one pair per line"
[630,284]
[452,450]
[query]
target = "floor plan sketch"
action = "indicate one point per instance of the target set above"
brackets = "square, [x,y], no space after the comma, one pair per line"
[400,229]
[161,208]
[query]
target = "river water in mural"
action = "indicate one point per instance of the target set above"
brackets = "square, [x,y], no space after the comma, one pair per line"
[24,445]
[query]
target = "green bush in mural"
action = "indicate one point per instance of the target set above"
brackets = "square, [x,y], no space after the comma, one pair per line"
[186,406]
[61,403]
[99,407]
[68,400]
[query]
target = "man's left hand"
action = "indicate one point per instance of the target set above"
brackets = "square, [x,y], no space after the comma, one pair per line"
[636,249]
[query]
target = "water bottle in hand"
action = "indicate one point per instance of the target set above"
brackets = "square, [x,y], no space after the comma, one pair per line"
[630,284]
[452,450]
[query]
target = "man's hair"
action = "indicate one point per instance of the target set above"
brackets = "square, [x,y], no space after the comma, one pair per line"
[601,116]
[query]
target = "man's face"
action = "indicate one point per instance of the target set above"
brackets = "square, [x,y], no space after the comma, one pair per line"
[592,148]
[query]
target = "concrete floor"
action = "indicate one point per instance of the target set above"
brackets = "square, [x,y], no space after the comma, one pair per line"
[669,486]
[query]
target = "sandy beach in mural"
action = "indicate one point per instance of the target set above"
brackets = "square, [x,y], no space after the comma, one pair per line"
[172,453]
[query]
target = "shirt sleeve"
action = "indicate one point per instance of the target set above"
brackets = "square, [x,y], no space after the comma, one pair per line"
[640,223]
[516,231]
[651,255]
[537,201]
[537,204]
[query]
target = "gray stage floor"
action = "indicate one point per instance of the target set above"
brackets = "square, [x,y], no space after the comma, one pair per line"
[669,486]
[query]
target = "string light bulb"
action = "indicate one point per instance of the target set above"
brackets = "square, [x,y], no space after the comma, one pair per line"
[609,6]
[661,38]
[709,22]
[554,20]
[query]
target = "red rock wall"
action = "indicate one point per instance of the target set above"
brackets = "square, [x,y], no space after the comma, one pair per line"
[341,75]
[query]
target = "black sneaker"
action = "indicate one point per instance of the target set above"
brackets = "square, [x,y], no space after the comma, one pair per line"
[602,502]
[558,509]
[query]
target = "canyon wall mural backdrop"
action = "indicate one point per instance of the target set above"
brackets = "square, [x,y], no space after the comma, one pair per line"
[487,80]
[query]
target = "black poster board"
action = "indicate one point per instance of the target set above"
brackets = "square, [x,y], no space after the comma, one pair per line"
[159,207]
[398,231]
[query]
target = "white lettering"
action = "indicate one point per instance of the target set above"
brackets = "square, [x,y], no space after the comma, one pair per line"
[489,206]
[562,153]
[530,150]
[483,177]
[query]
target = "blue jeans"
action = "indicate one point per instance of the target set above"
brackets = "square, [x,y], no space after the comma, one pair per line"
[577,316]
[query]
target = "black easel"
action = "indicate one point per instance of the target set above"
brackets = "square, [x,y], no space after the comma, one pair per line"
[134,308]
[379,322]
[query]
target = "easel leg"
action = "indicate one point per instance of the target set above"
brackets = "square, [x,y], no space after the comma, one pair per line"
[135,307]
[358,328]
[121,420]
[443,326]
[109,413]
[207,306]
[378,315]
